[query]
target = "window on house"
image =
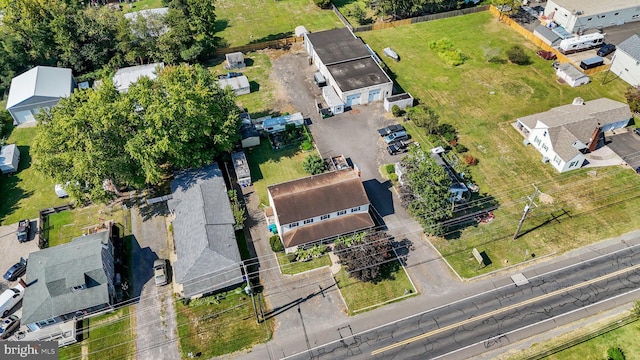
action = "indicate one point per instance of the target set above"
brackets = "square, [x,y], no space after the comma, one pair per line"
[355,209]
[342,212]
[325,217]
[308,221]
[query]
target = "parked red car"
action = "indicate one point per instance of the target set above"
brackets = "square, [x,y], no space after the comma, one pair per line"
[547,55]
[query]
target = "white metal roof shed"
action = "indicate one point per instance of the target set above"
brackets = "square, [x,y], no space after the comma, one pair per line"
[41,81]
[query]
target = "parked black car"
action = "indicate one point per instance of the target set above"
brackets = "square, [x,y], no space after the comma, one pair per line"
[397,147]
[606,49]
[390,129]
[18,269]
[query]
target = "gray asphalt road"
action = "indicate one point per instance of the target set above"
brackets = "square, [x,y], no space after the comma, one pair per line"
[489,318]
[155,317]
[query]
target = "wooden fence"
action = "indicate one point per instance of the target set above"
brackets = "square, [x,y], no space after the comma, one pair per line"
[419,19]
[341,17]
[271,44]
[538,42]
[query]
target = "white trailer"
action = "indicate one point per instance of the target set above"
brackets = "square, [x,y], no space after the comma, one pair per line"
[581,43]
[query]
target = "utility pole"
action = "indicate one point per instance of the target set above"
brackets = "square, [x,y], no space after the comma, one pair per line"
[249,291]
[527,208]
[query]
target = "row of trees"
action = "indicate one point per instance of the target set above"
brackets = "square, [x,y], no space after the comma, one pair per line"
[181,119]
[68,34]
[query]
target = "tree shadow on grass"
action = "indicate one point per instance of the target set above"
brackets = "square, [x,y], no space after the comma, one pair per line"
[12,193]
[271,37]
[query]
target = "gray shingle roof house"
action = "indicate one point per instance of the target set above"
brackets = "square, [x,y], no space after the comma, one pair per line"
[626,60]
[319,207]
[206,247]
[565,133]
[73,279]
[39,88]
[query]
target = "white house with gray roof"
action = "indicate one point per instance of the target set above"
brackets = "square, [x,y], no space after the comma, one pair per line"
[205,241]
[68,281]
[564,134]
[38,89]
[625,62]
[123,78]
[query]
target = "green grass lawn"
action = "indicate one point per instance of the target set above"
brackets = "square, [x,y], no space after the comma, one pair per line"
[65,225]
[270,167]
[360,295]
[261,99]
[111,336]
[141,5]
[481,100]
[241,22]
[292,268]
[624,337]
[25,192]
[70,352]
[219,327]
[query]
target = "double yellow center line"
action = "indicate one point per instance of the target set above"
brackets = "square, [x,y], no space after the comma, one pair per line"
[498,311]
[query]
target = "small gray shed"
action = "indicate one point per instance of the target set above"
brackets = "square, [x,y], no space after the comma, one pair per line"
[571,75]
[9,158]
[234,61]
[240,84]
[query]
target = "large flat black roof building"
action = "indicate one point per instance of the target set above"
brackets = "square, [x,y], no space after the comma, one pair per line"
[335,46]
[357,74]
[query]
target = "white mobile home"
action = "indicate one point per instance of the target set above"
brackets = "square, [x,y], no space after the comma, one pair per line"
[581,43]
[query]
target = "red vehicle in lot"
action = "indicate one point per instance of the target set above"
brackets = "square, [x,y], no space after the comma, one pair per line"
[547,55]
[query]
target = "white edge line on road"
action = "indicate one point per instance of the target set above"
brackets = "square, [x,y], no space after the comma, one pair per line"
[461,300]
[539,322]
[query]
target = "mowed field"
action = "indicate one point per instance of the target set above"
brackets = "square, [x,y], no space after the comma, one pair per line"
[482,100]
[241,22]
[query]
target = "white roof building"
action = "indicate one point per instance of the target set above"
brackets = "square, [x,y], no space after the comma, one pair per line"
[124,77]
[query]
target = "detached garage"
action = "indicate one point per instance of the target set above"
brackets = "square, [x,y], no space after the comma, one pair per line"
[348,65]
[37,89]
[9,158]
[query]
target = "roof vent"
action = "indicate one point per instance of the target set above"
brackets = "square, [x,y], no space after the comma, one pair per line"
[578,101]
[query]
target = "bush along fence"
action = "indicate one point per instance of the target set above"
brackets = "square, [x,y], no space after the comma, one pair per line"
[43,235]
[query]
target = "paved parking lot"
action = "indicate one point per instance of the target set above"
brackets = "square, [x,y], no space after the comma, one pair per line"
[12,250]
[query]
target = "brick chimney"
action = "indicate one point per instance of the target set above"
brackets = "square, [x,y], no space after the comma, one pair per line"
[594,139]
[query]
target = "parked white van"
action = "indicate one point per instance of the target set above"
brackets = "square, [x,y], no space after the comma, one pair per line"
[10,298]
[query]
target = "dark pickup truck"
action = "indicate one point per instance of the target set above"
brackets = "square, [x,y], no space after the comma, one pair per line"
[23,230]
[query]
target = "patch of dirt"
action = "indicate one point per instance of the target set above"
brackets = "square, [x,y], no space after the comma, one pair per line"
[546,198]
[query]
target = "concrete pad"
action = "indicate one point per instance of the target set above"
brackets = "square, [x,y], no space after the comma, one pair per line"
[519,279]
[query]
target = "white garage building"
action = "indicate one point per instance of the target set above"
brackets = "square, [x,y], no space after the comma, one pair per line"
[576,16]
[625,62]
[348,66]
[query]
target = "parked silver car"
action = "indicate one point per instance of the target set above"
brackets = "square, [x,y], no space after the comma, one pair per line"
[160,272]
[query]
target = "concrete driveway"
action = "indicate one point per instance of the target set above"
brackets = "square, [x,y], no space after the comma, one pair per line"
[627,146]
[12,250]
[155,317]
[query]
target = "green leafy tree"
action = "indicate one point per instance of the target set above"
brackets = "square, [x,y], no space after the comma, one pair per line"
[364,255]
[183,120]
[633,98]
[180,120]
[425,117]
[516,55]
[323,4]
[615,353]
[313,164]
[430,184]
[81,141]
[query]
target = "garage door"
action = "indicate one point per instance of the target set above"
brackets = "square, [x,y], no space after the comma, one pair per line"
[353,100]
[374,95]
